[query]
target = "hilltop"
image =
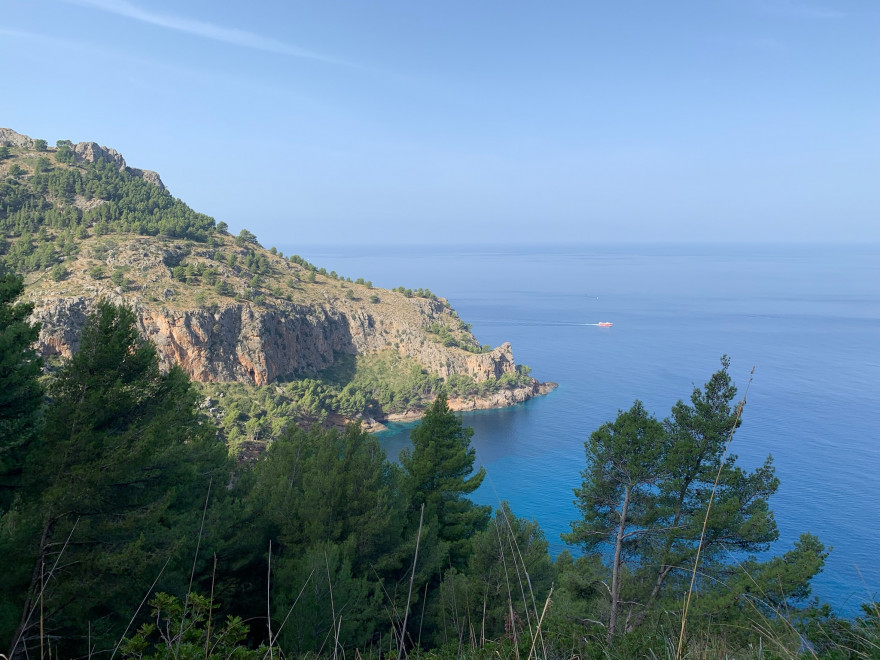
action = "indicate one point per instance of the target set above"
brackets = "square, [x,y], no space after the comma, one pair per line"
[248,323]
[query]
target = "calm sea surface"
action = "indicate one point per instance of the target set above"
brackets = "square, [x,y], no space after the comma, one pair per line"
[807,319]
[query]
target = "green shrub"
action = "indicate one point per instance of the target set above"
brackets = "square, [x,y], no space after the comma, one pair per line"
[59,272]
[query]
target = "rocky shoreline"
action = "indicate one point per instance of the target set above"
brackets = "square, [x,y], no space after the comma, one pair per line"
[504,398]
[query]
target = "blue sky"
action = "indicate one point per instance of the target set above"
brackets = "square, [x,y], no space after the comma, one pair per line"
[484,122]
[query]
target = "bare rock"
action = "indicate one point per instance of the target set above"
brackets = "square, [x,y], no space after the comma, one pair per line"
[92,152]
[149,176]
[61,324]
[502,398]
[10,138]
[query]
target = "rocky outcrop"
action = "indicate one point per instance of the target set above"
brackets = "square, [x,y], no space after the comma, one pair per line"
[243,343]
[91,152]
[234,343]
[9,138]
[61,322]
[149,176]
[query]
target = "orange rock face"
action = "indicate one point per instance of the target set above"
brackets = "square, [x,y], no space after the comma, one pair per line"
[247,343]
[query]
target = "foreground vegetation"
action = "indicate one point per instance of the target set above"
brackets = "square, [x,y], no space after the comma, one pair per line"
[126,531]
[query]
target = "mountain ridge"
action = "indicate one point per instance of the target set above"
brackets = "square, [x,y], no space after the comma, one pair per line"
[84,226]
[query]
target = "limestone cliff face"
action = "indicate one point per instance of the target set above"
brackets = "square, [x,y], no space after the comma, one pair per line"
[91,152]
[10,138]
[249,343]
[298,330]
[61,322]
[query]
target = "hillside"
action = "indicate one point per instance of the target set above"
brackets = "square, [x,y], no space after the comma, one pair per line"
[246,322]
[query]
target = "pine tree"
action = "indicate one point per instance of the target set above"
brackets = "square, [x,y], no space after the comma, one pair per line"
[439,473]
[21,395]
[646,493]
[112,489]
[327,499]
[618,497]
[507,579]
[740,518]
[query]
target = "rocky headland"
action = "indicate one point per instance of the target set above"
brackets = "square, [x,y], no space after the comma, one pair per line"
[222,307]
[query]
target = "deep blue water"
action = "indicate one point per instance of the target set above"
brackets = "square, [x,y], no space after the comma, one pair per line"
[807,319]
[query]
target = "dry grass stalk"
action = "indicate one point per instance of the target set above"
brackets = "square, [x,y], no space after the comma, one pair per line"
[401,652]
[273,640]
[138,610]
[268,596]
[25,623]
[211,608]
[540,621]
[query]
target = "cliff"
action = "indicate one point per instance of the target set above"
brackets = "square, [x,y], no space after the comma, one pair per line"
[257,344]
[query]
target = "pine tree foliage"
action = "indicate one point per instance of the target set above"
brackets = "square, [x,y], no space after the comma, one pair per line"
[740,519]
[328,501]
[21,394]
[618,498]
[507,579]
[439,473]
[115,201]
[645,500]
[113,490]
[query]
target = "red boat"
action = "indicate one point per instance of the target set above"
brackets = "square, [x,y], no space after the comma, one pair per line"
[604,324]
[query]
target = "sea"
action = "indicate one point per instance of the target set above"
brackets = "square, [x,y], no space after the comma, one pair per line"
[805,318]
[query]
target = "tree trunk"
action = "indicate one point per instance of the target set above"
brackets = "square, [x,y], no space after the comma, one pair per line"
[615,567]
[665,568]
[34,593]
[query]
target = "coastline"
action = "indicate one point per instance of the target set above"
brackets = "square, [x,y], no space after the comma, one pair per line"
[501,399]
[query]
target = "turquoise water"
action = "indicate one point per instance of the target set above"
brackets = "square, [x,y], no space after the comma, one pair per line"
[807,319]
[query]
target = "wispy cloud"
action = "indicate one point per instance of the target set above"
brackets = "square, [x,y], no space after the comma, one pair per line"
[761,44]
[40,38]
[217,77]
[204,29]
[797,9]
